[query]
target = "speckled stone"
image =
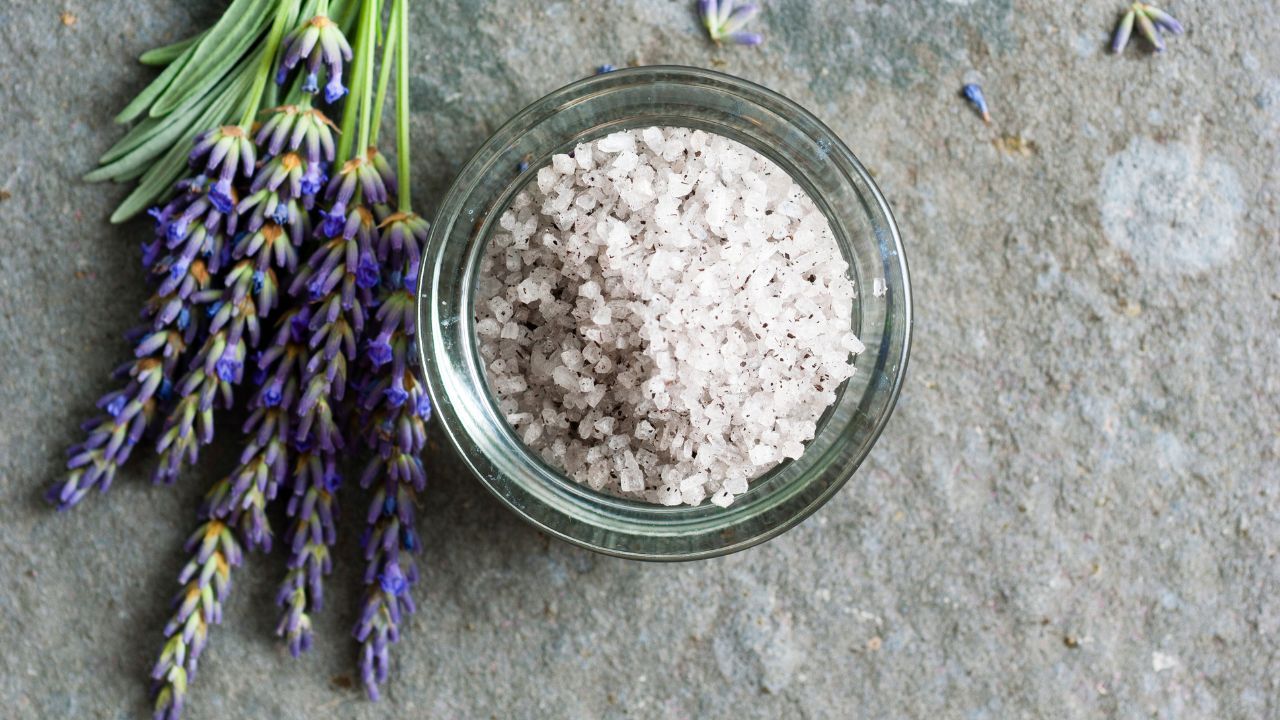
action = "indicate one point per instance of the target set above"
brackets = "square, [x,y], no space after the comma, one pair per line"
[1074,513]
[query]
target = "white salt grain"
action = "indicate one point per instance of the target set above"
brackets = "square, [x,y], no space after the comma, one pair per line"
[664,314]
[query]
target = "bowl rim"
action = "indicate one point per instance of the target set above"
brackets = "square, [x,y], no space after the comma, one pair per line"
[525,118]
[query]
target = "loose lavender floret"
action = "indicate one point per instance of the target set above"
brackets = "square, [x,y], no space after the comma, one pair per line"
[319,42]
[724,20]
[1150,21]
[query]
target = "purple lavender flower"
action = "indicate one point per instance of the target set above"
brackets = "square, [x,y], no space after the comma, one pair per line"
[226,152]
[357,174]
[320,42]
[281,174]
[724,20]
[403,233]
[234,506]
[379,163]
[206,580]
[192,206]
[233,330]
[337,322]
[300,128]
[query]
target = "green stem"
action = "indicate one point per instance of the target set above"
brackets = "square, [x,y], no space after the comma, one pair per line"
[351,108]
[402,103]
[371,39]
[384,76]
[268,60]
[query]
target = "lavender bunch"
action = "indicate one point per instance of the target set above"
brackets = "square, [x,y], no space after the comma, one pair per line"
[285,263]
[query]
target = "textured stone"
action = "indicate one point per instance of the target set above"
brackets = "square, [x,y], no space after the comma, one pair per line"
[1074,512]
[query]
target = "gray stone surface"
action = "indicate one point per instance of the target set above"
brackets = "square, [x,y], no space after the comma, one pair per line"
[1074,512]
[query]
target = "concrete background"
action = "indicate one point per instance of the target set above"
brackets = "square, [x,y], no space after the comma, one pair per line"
[1074,513]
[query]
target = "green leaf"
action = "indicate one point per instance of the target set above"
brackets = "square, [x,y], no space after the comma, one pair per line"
[216,53]
[150,136]
[158,180]
[167,54]
[144,99]
[154,183]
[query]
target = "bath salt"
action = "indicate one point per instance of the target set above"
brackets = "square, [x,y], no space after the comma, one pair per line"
[664,315]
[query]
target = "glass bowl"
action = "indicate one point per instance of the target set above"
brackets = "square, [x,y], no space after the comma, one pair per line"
[636,98]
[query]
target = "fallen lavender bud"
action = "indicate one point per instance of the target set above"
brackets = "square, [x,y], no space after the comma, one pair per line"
[1123,31]
[1163,20]
[973,93]
[1149,20]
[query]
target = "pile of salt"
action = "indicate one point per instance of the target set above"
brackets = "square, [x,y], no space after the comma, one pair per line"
[664,315]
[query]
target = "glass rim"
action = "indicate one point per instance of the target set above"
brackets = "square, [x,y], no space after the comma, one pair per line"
[654,518]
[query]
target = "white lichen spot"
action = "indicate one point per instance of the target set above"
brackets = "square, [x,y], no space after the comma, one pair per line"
[1171,208]
[1161,662]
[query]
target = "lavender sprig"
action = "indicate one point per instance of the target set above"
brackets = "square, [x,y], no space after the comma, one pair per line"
[181,263]
[1150,21]
[395,409]
[235,512]
[313,510]
[724,20]
[315,480]
[215,368]
[206,580]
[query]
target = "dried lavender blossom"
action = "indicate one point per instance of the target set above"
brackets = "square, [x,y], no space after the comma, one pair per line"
[1150,21]
[973,93]
[724,20]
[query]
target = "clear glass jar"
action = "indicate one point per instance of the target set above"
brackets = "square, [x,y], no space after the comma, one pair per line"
[637,98]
